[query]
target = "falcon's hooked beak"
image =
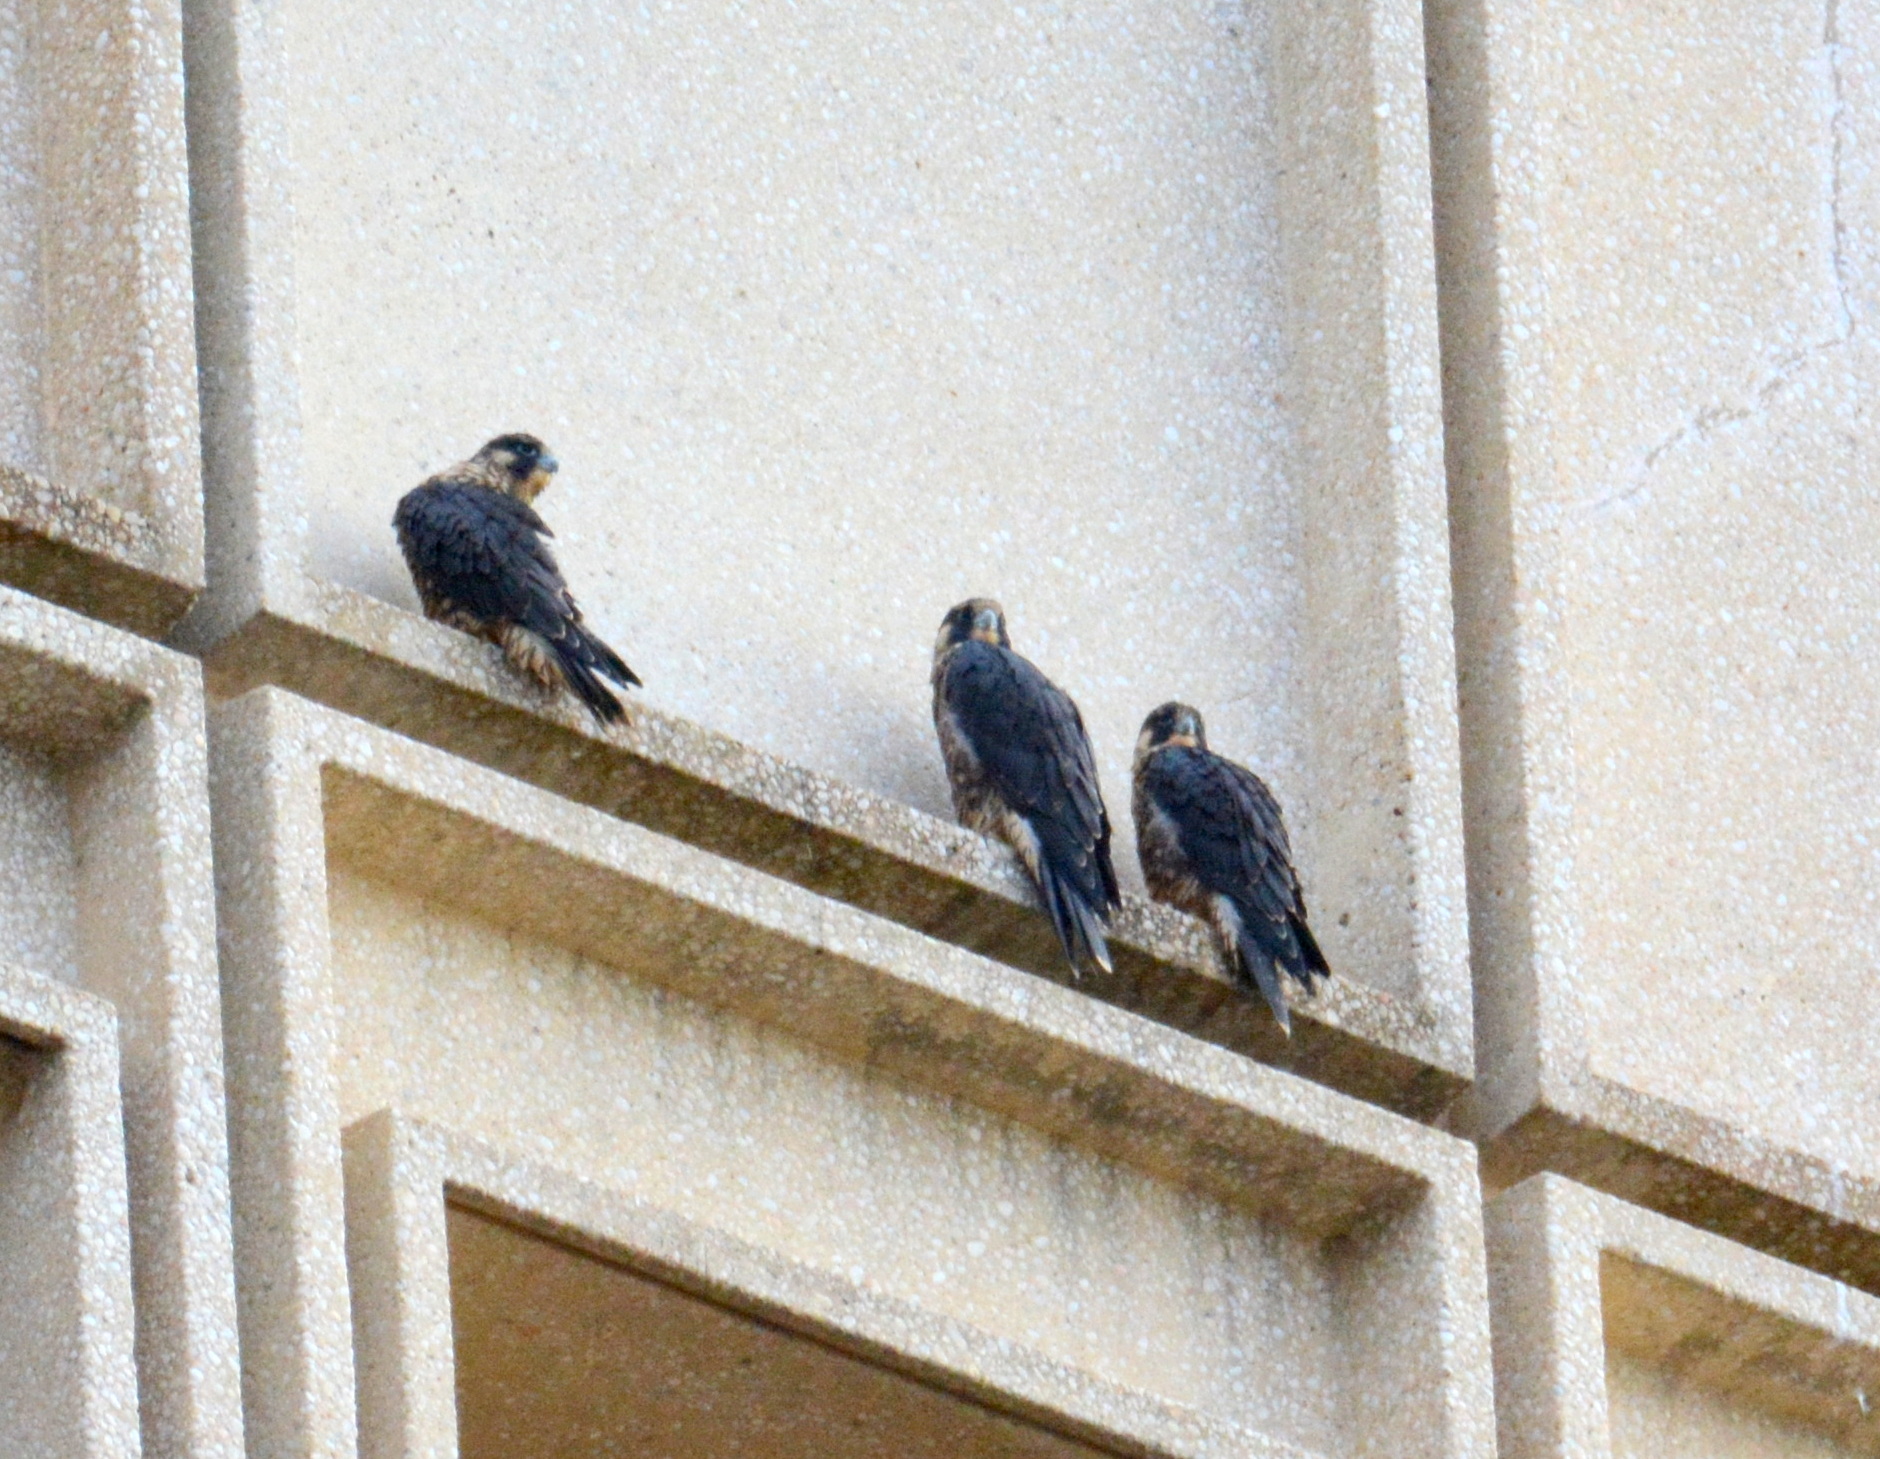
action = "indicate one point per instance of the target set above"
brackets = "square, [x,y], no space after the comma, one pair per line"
[986,626]
[538,481]
[1185,732]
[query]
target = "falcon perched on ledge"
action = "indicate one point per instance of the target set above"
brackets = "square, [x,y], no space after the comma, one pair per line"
[1021,770]
[1212,842]
[474,546]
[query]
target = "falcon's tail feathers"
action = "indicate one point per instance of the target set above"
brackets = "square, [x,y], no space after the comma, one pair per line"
[1315,964]
[583,659]
[587,687]
[1079,928]
[1250,962]
[604,660]
[1106,870]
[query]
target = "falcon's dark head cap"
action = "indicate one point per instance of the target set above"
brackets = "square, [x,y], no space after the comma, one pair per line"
[522,462]
[976,618]
[1173,723]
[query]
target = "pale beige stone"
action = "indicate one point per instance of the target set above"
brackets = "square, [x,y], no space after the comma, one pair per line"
[100,475]
[1656,235]
[104,855]
[460,1254]
[68,1386]
[993,1169]
[1124,314]
[1621,1334]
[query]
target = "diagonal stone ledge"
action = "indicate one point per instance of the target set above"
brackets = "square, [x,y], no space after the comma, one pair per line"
[683,780]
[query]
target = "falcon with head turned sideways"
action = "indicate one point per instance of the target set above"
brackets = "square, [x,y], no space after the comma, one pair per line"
[1021,770]
[1212,842]
[478,558]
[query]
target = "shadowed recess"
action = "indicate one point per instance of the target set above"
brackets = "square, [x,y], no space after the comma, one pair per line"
[561,1354]
[16,1071]
[1702,1349]
[58,709]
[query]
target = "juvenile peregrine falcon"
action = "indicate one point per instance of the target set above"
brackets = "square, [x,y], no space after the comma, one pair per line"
[1212,842]
[474,546]
[1021,770]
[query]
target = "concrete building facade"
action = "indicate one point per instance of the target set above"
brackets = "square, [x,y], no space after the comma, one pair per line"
[1464,403]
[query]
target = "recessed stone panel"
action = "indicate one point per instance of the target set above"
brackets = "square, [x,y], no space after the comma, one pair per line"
[866,315]
[1621,1334]
[555,1347]
[104,862]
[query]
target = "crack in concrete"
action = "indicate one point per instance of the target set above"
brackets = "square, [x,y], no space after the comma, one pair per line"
[1831,42]
[1715,417]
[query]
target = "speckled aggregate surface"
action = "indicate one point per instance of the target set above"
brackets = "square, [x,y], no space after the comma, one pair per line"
[68,1387]
[1655,1417]
[1656,239]
[1725,740]
[104,844]
[20,324]
[100,475]
[939,1131]
[808,394]
[835,317]
[744,1129]
[1620,1334]
[38,916]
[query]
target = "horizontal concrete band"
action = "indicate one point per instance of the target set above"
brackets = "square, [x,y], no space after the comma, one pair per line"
[314,806]
[679,778]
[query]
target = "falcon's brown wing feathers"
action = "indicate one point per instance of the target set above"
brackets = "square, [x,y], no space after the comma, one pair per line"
[479,560]
[1032,751]
[1233,841]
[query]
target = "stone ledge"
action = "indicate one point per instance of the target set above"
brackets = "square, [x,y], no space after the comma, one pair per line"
[89,556]
[683,780]
[309,802]
[1671,1158]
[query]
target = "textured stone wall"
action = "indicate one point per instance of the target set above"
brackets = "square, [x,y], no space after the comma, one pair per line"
[1463,403]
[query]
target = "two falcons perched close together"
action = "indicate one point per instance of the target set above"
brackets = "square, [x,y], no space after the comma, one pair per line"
[1208,832]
